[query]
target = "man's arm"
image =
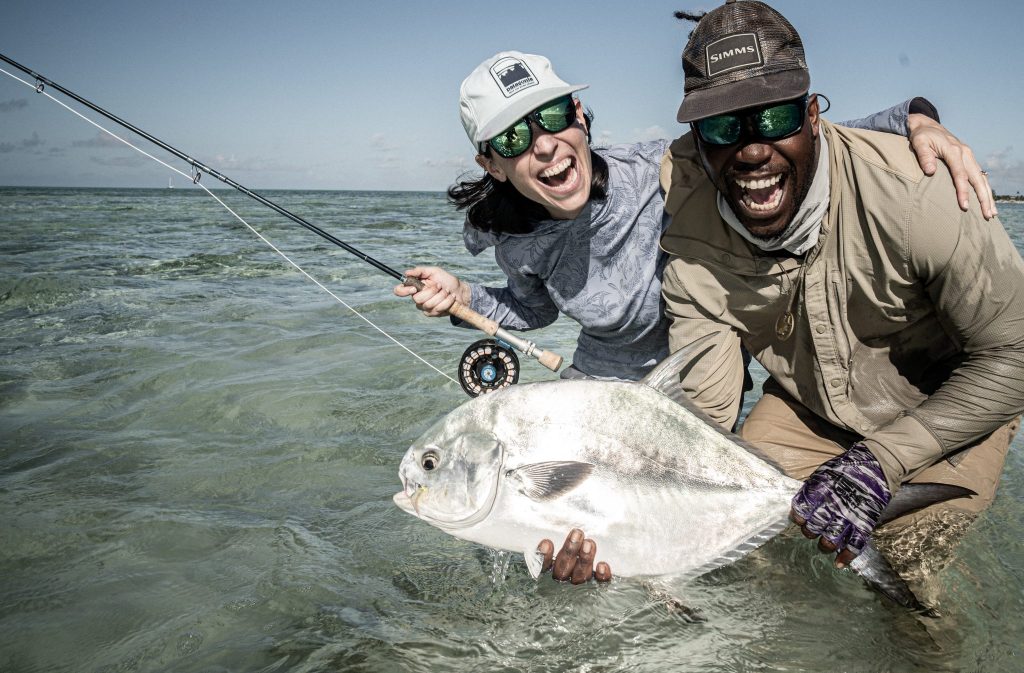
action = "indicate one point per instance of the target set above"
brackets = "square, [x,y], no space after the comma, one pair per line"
[713,378]
[975,278]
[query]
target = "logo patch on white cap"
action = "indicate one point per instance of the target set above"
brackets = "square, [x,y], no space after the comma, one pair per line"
[512,76]
[729,53]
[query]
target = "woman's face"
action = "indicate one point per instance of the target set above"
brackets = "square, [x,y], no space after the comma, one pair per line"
[555,171]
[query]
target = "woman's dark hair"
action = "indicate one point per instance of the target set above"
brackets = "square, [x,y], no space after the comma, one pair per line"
[492,205]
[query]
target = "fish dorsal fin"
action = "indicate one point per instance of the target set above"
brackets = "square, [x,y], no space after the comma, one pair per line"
[545,481]
[666,378]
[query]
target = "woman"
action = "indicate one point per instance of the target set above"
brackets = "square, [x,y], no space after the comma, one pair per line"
[576,230]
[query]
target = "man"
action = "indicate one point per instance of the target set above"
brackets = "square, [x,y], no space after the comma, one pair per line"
[891,322]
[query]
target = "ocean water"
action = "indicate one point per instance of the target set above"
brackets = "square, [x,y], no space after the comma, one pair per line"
[198,449]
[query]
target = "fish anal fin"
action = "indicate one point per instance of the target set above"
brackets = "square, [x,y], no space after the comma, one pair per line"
[534,562]
[549,480]
[912,497]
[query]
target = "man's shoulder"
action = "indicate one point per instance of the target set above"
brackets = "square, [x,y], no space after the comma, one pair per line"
[883,166]
[875,150]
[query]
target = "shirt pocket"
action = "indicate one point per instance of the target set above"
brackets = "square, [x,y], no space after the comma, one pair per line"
[837,307]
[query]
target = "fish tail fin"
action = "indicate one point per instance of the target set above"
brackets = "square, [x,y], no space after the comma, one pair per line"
[912,497]
[875,568]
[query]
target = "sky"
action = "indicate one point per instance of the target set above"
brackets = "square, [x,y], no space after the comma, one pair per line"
[363,95]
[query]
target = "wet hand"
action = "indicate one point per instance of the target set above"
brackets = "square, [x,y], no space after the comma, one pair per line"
[931,141]
[840,503]
[575,561]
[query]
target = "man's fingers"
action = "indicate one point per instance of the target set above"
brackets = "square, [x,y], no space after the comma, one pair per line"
[547,550]
[584,569]
[603,572]
[566,559]
[796,518]
[844,558]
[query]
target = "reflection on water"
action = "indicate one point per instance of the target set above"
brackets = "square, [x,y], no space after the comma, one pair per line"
[200,447]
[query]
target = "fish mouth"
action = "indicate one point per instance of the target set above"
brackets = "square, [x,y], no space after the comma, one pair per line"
[408,498]
[405,503]
[412,491]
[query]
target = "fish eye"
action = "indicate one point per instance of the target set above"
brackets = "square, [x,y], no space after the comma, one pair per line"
[430,461]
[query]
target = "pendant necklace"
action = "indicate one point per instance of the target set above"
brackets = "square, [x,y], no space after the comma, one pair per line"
[786,322]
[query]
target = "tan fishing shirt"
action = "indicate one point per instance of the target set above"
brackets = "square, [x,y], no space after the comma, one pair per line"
[908,313]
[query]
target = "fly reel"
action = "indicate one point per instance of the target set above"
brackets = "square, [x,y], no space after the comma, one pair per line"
[486,366]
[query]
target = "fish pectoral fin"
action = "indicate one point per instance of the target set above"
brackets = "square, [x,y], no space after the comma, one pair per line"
[545,481]
[534,562]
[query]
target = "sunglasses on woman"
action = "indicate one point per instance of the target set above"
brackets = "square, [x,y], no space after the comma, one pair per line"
[772,122]
[553,116]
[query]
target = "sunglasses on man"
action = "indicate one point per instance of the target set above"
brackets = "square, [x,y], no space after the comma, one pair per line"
[553,116]
[771,122]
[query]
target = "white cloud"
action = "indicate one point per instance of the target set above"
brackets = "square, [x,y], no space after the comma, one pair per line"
[650,133]
[1006,171]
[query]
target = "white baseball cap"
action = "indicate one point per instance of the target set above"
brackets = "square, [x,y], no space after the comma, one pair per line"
[504,89]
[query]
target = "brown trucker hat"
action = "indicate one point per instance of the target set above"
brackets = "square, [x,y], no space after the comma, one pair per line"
[740,55]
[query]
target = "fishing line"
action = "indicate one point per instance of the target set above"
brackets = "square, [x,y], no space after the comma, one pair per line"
[236,215]
[460,311]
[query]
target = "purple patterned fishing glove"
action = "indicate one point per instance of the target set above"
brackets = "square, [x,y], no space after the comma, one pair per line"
[844,498]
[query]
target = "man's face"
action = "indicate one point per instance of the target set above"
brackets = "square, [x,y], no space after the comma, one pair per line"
[765,181]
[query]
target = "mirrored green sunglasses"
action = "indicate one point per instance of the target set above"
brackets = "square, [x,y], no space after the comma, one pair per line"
[772,122]
[553,116]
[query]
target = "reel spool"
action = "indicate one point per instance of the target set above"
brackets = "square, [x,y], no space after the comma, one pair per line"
[486,366]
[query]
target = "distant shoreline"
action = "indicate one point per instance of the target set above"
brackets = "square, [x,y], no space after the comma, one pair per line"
[1002,198]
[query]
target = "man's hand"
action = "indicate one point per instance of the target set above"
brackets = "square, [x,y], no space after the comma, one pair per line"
[842,502]
[931,141]
[440,290]
[575,562]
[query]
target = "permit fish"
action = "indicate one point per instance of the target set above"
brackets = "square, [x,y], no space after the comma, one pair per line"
[661,489]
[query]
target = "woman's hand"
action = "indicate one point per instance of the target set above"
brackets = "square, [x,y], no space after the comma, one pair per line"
[440,290]
[930,141]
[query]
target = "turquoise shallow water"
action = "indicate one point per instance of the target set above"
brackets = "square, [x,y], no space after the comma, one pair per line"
[198,449]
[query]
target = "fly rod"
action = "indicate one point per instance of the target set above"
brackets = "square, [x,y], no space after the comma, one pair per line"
[490,327]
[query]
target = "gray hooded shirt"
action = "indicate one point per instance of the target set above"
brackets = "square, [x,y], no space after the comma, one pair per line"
[602,269]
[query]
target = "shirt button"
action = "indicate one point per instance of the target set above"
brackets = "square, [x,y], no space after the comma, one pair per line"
[835,383]
[820,329]
[727,258]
